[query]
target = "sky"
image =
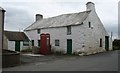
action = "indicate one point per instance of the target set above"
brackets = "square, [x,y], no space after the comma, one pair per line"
[21,13]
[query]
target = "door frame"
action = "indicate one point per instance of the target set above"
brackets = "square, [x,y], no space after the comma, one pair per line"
[69,46]
[107,43]
[17,48]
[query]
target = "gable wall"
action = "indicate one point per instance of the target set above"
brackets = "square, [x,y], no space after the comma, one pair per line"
[99,29]
[33,35]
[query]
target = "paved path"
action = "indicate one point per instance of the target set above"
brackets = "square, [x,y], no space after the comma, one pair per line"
[107,61]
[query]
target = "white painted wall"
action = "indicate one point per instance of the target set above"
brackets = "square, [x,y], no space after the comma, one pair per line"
[33,35]
[11,45]
[22,47]
[80,34]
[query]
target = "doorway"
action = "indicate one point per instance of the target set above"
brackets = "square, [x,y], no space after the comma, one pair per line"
[69,46]
[17,46]
[107,43]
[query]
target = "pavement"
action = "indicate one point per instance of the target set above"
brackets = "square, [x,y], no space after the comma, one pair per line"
[106,61]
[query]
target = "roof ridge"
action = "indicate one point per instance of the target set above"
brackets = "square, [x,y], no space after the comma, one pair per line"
[60,20]
[68,14]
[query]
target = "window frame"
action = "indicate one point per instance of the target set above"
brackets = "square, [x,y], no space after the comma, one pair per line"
[38,31]
[38,43]
[89,23]
[57,42]
[68,30]
[101,42]
[25,43]
[32,42]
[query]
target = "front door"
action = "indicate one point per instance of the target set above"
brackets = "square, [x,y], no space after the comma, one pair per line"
[69,46]
[17,46]
[107,43]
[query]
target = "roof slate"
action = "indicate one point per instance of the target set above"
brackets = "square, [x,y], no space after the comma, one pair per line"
[60,21]
[16,36]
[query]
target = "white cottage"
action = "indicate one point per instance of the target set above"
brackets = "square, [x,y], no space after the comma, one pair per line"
[72,33]
[15,41]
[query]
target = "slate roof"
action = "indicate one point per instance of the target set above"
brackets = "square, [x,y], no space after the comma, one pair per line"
[60,21]
[15,36]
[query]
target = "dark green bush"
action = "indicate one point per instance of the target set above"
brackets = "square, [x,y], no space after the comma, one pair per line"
[116,44]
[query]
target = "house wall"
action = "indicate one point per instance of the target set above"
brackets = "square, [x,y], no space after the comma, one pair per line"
[5,42]
[81,34]
[33,35]
[22,47]
[11,45]
[99,29]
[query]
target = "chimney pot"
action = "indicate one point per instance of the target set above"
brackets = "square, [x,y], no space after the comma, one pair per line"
[90,6]
[39,17]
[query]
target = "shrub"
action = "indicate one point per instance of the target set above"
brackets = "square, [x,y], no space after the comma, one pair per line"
[116,44]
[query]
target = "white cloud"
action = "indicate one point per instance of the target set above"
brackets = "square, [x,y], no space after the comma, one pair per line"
[106,10]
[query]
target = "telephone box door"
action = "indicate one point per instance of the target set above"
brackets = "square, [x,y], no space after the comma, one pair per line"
[45,44]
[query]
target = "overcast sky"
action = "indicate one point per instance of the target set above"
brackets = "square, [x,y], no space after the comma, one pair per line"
[21,13]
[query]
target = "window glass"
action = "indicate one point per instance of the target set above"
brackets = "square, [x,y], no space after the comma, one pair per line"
[68,30]
[57,42]
[38,31]
[100,42]
[25,43]
[38,43]
[32,42]
[89,24]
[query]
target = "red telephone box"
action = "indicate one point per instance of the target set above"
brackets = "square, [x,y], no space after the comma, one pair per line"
[45,47]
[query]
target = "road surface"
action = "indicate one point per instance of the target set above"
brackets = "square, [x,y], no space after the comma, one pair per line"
[107,61]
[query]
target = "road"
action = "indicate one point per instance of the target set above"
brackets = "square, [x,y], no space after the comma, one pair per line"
[107,61]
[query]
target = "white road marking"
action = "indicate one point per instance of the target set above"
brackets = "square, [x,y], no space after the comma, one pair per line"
[33,54]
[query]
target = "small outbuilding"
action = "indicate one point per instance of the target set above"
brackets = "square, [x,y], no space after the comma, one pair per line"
[15,41]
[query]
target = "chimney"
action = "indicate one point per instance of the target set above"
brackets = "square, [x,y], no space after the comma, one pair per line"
[2,13]
[39,17]
[90,6]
